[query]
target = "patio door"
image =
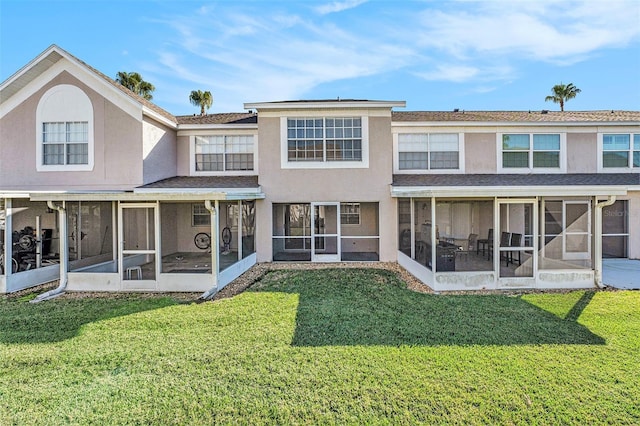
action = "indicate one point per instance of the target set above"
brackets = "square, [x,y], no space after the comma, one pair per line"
[325,232]
[138,248]
[515,244]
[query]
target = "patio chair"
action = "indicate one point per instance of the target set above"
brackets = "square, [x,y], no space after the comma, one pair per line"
[516,241]
[484,243]
[469,247]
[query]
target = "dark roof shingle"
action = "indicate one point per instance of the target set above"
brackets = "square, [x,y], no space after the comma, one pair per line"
[517,116]
[222,118]
[204,182]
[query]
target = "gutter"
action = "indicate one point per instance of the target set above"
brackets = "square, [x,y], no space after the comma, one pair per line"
[213,210]
[64,256]
[598,242]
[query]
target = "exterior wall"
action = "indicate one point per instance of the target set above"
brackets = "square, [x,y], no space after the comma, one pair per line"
[634,225]
[312,185]
[183,156]
[477,148]
[117,147]
[159,151]
[582,153]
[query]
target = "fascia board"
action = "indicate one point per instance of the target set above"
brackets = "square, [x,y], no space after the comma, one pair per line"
[505,191]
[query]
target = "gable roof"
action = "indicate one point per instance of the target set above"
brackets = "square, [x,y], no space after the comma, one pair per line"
[52,55]
[544,116]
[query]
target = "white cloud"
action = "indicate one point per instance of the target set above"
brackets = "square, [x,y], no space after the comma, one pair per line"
[338,6]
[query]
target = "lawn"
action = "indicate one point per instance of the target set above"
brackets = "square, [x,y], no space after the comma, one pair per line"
[327,346]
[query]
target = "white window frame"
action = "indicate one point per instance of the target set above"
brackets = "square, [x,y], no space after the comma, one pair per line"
[396,154]
[194,213]
[358,164]
[508,170]
[64,103]
[192,155]
[629,168]
[344,212]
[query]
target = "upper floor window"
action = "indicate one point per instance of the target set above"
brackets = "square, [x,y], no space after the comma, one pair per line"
[224,153]
[428,151]
[621,150]
[65,130]
[532,151]
[324,139]
[65,143]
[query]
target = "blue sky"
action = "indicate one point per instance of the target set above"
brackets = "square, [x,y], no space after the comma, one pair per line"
[435,55]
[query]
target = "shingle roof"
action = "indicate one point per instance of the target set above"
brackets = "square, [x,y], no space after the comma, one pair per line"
[517,116]
[205,182]
[575,179]
[223,118]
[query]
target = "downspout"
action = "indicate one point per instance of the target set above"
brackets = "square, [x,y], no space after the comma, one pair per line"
[213,210]
[598,239]
[64,256]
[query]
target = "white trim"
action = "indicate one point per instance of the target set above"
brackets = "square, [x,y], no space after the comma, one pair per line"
[154,194]
[629,168]
[315,257]
[396,156]
[505,191]
[324,105]
[192,155]
[78,108]
[525,170]
[284,156]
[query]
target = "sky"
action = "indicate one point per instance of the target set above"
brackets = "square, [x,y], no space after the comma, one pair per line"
[435,55]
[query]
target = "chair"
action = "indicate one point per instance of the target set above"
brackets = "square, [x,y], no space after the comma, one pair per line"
[470,246]
[505,241]
[485,242]
[516,241]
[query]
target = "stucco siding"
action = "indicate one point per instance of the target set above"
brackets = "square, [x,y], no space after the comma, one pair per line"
[479,153]
[582,153]
[159,151]
[117,147]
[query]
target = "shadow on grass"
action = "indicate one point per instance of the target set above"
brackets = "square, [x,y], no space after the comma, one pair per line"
[372,307]
[57,320]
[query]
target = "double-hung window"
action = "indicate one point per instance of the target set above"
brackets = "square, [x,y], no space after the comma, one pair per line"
[223,153]
[621,150]
[532,151]
[65,143]
[428,151]
[324,139]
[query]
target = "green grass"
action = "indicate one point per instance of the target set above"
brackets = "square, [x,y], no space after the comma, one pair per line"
[327,346]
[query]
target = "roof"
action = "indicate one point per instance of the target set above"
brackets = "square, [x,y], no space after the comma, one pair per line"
[517,116]
[204,182]
[50,57]
[546,179]
[223,118]
[324,104]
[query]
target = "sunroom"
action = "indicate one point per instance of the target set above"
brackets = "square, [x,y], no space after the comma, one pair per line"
[458,232]
[180,234]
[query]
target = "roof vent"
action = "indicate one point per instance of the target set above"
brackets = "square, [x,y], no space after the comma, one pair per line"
[544,111]
[456,110]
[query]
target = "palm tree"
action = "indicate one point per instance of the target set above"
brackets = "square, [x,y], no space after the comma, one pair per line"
[562,93]
[134,82]
[201,99]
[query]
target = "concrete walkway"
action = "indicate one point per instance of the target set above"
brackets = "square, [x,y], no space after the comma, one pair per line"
[621,273]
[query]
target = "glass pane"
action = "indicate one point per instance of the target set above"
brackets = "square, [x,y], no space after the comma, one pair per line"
[546,142]
[77,153]
[53,154]
[413,160]
[615,142]
[615,159]
[515,159]
[444,160]
[412,142]
[546,159]
[443,142]
[636,159]
[515,142]
[636,142]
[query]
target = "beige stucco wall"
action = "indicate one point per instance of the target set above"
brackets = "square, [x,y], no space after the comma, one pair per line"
[182,155]
[480,153]
[331,185]
[117,142]
[159,151]
[582,153]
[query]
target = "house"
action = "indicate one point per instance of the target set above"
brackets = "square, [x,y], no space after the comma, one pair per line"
[108,192]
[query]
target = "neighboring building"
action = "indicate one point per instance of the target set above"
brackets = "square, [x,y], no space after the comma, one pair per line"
[108,192]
